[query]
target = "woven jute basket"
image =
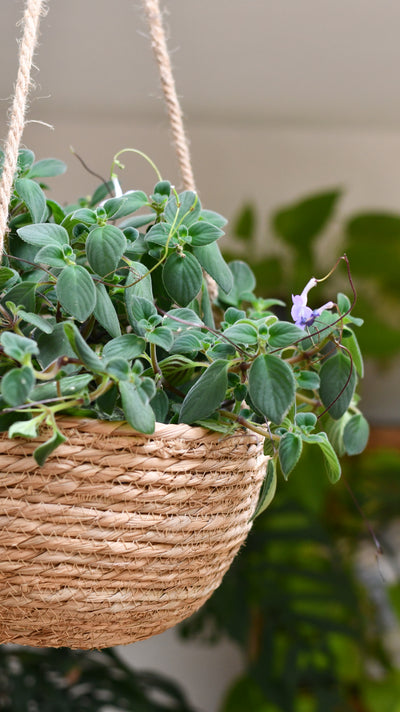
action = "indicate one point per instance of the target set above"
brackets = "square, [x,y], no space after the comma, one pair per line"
[119,535]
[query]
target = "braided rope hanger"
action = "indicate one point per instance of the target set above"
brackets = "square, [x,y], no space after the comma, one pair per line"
[33,11]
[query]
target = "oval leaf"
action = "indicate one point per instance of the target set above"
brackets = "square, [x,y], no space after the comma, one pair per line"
[127,346]
[356,434]
[17,384]
[290,447]
[44,234]
[104,249]
[105,313]
[76,292]
[182,277]
[271,386]
[33,197]
[139,414]
[338,381]
[268,489]
[207,393]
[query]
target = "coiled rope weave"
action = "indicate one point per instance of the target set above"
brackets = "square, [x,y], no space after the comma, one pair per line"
[119,535]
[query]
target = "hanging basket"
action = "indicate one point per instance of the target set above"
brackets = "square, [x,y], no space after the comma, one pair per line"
[119,535]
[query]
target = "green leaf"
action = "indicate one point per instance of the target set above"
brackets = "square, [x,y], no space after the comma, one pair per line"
[82,349]
[243,283]
[44,234]
[104,249]
[306,421]
[84,215]
[76,292]
[351,343]
[162,337]
[214,218]
[207,394]
[283,333]
[5,275]
[163,187]
[290,447]
[17,347]
[67,386]
[182,277]
[126,204]
[33,197]
[25,428]
[271,386]
[36,321]
[159,234]
[45,449]
[204,233]
[356,434]
[51,255]
[53,346]
[300,223]
[25,159]
[188,212]
[104,311]
[186,343]
[22,294]
[239,333]
[173,315]
[268,489]
[338,381]
[47,168]
[118,368]
[160,406]
[138,284]
[56,211]
[127,346]
[138,413]
[214,264]
[330,458]
[177,369]
[17,384]
[142,309]
[308,380]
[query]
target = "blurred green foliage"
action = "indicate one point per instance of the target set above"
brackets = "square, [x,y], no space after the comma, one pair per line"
[64,680]
[370,239]
[309,630]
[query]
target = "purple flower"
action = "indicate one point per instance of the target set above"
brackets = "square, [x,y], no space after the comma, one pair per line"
[303,315]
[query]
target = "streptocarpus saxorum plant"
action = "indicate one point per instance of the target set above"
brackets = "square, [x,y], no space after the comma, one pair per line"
[105,313]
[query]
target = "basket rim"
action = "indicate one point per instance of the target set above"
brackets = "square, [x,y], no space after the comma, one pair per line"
[162,430]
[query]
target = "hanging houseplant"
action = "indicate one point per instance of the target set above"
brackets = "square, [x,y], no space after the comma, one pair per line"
[147,395]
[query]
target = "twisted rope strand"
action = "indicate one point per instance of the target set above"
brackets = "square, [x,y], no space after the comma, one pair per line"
[160,50]
[28,43]
[159,44]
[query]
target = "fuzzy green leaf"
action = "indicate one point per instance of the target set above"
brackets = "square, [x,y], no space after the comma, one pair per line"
[356,434]
[204,233]
[268,489]
[104,311]
[338,381]
[17,384]
[207,394]
[290,447]
[51,255]
[44,234]
[214,264]
[104,249]
[127,346]
[76,292]
[47,168]
[330,458]
[182,277]
[283,333]
[271,386]
[33,197]
[82,349]
[17,347]
[137,411]
[240,333]
[43,451]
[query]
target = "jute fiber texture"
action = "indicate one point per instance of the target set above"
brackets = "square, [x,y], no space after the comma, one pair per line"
[119,535]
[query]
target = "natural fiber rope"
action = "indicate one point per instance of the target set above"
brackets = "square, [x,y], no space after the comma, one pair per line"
[28,43]
[159,44]
[160,49]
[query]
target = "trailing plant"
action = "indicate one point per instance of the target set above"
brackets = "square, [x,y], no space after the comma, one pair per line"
[105,313]
[293,246]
